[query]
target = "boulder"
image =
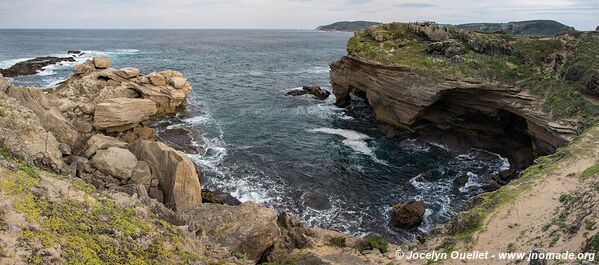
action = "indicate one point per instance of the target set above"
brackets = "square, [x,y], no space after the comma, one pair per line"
[101,142]
[409,214]
[179,181]
[121,114]
[114,161]
[128,72]
[293,236]
[33,66]
[430,31]
[157,79]
[22,134]
[142,174]
[101,62]
[51,118]
[249,229]
[178,82]
[315,91]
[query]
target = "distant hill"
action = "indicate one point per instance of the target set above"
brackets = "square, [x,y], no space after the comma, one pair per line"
[530,28]
[347,26]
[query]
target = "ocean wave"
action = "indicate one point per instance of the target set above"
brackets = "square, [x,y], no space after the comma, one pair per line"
[8,63]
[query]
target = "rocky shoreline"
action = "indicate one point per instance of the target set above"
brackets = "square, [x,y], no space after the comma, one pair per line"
[95,127]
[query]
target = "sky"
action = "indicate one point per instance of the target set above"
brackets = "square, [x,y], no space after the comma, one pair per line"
[283,14]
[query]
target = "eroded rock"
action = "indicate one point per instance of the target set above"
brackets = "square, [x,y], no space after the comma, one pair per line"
[117,162]
[121,114]
[249,229]
[33,66]
[179,181]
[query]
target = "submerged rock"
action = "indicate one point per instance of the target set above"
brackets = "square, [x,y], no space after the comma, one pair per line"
[315,91]
[183,139]
[31,67]
[409,214]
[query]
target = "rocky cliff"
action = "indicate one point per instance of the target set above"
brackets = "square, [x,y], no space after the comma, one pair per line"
[526,28]
[515,95]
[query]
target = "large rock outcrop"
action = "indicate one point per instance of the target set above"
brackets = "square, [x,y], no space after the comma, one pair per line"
[487,86]
[121,114]
[95,82]
[248,229]
[178,179]
[22,135]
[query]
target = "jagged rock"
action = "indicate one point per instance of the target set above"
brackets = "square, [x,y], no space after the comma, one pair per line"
[117,162]
[430,31]
[448,48]
[485,43]
[178,178]
[101,62]
[74,52]
[597,29]
[84,68]
[178,82]
[409,214]
[121,114]
[52,119]
[23,136]
[101,142]
[315,91]
[31,67]
[249,229]
[142,174]
[293,236]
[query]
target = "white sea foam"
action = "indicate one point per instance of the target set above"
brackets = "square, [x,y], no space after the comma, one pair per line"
[11,62]
[354,140]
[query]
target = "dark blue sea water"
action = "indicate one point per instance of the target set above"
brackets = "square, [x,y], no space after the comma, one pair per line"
[309,157]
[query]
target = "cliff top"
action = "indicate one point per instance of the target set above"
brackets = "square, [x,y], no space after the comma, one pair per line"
[522,28]
[554,68]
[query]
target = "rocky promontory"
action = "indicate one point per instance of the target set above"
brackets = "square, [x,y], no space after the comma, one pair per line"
[518,96]
[33,66]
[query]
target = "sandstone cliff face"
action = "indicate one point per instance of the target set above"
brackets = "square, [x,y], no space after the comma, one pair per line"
[424,77]
[402,98]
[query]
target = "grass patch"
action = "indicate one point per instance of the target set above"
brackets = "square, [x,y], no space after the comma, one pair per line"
[372,242]
[337,241]
[591,171]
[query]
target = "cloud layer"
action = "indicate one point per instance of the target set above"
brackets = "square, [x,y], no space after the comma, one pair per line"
[295,14]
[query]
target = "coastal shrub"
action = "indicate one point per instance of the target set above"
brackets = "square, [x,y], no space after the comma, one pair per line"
[337,241]
[594,243]
[564,197]
[2,113]
[372,242]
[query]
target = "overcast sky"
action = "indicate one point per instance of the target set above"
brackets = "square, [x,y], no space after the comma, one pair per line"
[289,14]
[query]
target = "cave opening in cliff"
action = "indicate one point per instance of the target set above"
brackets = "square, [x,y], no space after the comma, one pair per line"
[458,121]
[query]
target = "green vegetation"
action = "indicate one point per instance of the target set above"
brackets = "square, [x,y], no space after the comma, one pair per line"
[524,62]
[594,243]
[372,242]
[89,228]
[591,171]
[564,197]
[2,113]
[468,222]
[239,255]
[337,241]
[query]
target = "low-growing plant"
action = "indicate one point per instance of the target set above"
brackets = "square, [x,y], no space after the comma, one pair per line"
[337,241]
[239,255]
[372,242]
[564,197]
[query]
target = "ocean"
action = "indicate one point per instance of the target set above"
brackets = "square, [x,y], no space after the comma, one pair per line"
[333,168]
